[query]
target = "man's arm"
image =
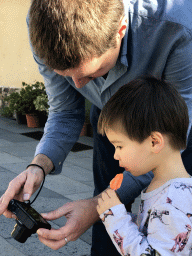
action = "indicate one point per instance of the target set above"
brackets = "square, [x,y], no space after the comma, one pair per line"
[65,119]
[178,69]
[66,116]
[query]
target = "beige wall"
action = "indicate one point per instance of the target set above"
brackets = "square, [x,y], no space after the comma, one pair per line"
[16,60]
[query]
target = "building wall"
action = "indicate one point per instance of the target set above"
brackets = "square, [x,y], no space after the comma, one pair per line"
[16,60]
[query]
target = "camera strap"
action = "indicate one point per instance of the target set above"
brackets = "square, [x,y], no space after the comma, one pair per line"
[29,203]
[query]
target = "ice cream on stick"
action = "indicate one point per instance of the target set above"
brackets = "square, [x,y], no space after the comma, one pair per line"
[116,181]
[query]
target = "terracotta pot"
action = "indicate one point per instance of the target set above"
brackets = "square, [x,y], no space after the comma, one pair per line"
[32,120]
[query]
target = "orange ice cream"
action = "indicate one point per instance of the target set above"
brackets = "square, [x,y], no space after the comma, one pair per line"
[116,182]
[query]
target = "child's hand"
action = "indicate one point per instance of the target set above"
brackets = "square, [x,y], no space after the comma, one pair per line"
[108,199]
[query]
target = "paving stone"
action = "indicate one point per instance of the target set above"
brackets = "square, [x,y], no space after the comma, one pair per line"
[81,196]
[84,154]
[30,145]
[33,247]
[8,250]
[5,143]
[14,137]
[8,158]
[15,167]
[85,163]
[27,159]
[19,151]
[64,185]
[77,173]
[12,126]
[6,177]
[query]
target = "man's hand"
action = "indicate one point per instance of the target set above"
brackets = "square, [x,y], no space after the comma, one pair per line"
[108,199]
[25,184]
[21,188]
[81,215]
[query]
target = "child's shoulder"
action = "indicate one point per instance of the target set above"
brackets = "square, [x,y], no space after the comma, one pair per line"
[179,194]
[181,185]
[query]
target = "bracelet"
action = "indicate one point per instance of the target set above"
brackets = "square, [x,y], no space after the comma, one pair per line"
[37,166]
[41,184]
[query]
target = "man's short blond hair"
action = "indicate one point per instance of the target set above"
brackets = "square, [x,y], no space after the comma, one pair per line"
[65,33]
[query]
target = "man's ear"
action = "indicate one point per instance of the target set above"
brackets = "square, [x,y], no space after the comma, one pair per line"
[122,26]
[157,142]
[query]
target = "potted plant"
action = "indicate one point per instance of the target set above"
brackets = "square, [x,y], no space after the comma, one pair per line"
[5,111]
[29,93]
[41,105]
[16,105]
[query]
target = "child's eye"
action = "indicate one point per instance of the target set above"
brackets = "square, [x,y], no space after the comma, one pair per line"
[118,147]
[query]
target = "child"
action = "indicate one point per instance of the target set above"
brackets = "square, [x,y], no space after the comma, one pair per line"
[147,122]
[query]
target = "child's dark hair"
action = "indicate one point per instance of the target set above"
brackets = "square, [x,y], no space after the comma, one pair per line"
[145,105]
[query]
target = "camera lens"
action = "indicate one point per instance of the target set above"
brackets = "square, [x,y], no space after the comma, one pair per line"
[20,232]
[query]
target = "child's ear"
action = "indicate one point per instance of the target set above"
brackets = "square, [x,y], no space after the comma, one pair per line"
[157,142]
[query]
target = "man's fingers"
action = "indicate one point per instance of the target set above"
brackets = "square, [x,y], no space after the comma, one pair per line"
[55,238]
[8,214]
[20,188]
[28,189]
[54,245]
[53,234]
[58,213]
[33,181]
[12,190]
[3,206]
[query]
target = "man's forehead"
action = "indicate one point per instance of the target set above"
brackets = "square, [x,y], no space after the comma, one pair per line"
[85,68]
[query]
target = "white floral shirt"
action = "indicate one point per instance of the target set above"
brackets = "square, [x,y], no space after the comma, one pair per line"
[163,226]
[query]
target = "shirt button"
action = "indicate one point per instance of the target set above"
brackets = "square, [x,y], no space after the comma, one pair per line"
[59,163]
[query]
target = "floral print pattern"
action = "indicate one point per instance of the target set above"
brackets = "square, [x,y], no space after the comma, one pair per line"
[166,216]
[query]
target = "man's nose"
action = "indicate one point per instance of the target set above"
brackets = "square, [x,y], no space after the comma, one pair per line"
[79,83]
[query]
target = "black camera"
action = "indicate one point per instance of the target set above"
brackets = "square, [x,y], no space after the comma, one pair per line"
[28,220]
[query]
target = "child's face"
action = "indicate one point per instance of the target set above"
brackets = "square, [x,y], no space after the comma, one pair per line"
[135,157]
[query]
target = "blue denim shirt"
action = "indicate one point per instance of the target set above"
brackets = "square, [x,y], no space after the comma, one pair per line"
[158,42]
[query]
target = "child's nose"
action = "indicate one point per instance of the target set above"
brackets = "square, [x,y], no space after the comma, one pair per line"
[116,156]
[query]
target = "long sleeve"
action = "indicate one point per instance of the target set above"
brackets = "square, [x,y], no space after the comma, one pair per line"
[66,116]
[164,222]
[169,230]
[178,69]
[65,120]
